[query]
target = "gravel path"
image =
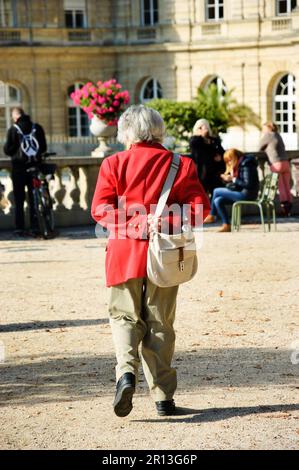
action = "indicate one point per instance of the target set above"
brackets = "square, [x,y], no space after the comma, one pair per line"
[237,325]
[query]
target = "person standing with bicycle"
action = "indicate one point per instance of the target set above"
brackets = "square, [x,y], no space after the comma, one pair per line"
[25,144]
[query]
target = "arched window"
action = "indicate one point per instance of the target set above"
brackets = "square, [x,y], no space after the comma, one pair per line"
[284,112]
[222,88]
[150,90]
[10,96]
[78,125]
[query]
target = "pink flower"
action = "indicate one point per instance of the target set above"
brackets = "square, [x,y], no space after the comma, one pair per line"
[103,99]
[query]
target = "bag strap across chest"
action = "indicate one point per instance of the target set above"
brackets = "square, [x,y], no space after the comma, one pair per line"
[175,164]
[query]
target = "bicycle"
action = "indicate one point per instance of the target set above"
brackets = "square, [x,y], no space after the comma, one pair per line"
[41,174]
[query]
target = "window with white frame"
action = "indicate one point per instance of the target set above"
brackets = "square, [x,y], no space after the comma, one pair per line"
[284,7]
[6,13]
[10,96]
[149,12]
[151,89]
[220,84]
[284,112]
[75,13]
[78,124]
[214,10]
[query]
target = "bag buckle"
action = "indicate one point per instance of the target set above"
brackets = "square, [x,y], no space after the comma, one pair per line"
[181,259]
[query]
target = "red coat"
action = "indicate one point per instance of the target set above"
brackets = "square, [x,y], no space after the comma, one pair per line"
[138,174]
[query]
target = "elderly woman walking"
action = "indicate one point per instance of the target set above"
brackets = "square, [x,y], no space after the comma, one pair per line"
[141,313]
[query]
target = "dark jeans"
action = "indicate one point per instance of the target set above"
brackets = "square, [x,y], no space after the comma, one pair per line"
[20,180]
[222,197]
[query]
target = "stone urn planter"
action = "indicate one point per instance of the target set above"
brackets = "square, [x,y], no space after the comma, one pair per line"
[103,132]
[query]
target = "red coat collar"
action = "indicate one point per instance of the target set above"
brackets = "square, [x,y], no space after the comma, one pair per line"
[148,144]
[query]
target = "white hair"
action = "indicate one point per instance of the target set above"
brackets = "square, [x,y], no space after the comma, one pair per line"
[199,124]
[140,124]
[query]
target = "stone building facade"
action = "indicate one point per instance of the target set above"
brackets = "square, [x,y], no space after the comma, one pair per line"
[154,48]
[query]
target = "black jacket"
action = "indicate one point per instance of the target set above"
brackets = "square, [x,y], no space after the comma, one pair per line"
[13,142]
[203,154]
[247,180]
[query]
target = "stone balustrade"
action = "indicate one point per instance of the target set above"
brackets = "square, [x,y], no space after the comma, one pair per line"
[72,190]
[74,184]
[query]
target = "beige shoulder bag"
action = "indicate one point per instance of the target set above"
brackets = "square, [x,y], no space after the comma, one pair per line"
[171,259]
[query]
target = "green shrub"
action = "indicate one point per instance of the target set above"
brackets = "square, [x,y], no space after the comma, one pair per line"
[221,110]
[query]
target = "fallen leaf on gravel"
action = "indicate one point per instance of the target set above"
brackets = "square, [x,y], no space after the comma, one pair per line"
[281,415]
[234,334]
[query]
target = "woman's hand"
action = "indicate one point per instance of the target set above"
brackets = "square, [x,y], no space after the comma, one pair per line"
[226,178]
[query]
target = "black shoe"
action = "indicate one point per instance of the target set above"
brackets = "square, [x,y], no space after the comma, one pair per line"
[125,389]
[165,408]
[286,209]
[33,233]
[19,233]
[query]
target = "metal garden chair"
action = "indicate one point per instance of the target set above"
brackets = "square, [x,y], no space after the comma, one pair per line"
[264,202]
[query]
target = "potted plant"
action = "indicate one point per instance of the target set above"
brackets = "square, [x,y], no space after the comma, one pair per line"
[103,103]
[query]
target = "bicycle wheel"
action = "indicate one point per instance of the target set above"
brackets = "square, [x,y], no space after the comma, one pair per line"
[45,214]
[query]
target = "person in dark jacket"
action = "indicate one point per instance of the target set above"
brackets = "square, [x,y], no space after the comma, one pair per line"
[20,163]
[242,183]
[207,152]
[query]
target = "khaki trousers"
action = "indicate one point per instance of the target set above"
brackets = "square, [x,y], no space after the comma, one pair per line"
[142,313]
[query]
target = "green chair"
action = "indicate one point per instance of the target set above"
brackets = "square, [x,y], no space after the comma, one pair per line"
[264,202]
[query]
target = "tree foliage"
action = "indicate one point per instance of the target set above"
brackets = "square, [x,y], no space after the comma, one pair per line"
[222,111]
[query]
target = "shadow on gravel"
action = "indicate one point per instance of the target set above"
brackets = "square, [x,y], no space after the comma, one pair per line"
[219,414]
[42,380]
[41,325]
[79,233]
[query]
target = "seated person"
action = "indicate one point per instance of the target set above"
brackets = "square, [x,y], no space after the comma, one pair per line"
[242,183]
